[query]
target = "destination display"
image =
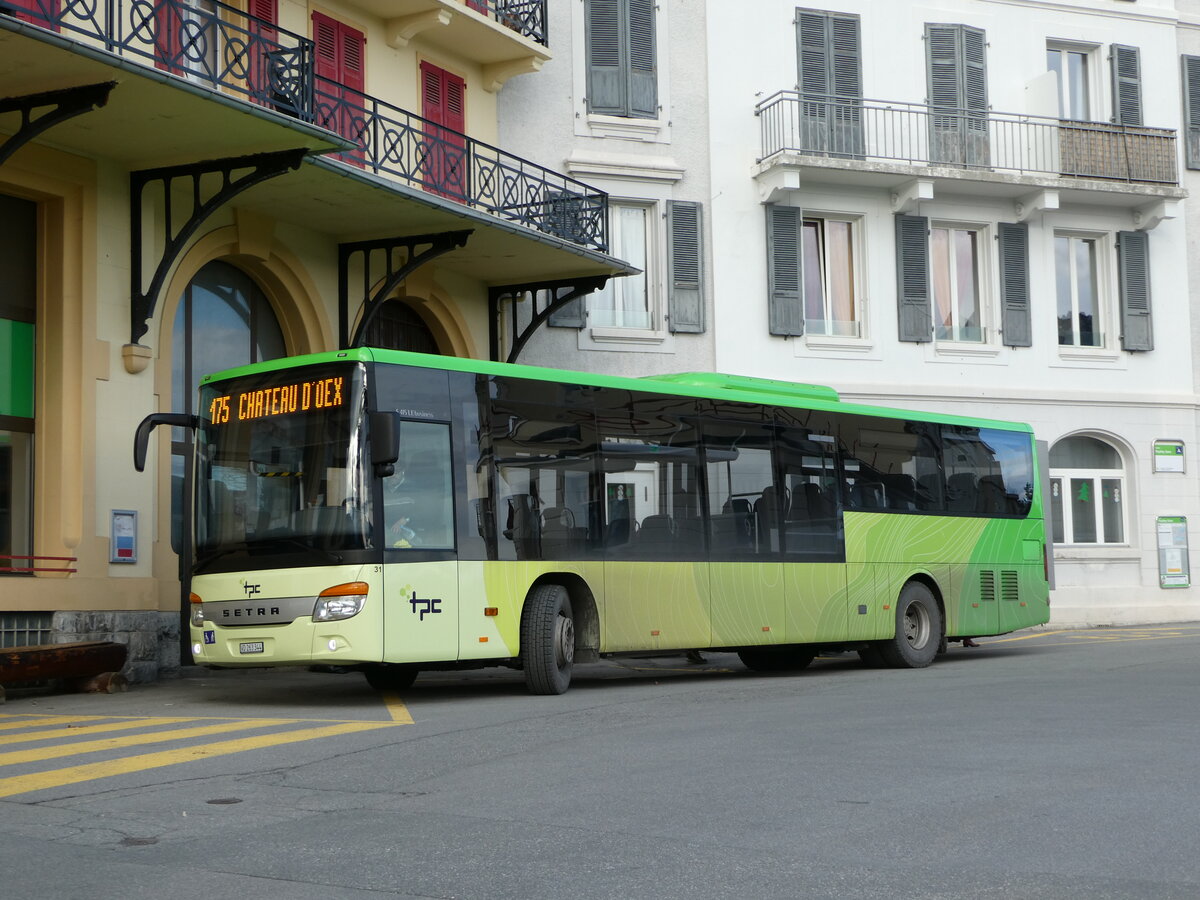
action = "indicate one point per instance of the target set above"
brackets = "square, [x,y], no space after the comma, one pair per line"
[278,400]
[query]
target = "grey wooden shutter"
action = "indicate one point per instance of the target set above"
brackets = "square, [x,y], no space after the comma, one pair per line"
[956,66]
[975,98]
[1191,111]
[913,299]
[1127,85]
[812,60]
[846,79]
[785,300]
[643,75]
[829,60]
[1015,321]
[606,62]
[685,267]
[1133,264]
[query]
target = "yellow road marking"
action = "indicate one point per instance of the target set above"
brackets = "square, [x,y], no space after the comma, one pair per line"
[91,729]
[1026,637]
[13,757]
[22,784]
[44,720]
[397,710]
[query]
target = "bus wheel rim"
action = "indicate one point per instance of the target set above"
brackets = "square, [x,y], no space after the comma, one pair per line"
[916,626]
[564,642]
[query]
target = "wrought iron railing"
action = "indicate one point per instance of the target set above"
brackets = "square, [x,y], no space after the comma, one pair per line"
[208,43]
[526,17]
[225,49]
[395,142]
[877,130]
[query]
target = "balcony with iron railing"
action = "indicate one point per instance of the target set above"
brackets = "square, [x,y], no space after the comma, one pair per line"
[960,143]
[219,49]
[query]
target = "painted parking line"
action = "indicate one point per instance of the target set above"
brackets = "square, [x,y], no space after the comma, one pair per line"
[48,738]
[23,784]
[1106,635]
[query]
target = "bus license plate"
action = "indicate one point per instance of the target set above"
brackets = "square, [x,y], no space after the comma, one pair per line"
[251,647]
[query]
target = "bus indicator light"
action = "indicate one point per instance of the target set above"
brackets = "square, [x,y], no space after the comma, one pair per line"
[491,610]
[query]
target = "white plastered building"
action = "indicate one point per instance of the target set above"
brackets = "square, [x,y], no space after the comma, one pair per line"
[970,206]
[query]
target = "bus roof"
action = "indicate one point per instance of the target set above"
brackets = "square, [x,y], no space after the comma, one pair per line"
[709,385]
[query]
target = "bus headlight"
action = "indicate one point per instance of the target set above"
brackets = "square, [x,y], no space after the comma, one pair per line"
[340,602]
[197,611]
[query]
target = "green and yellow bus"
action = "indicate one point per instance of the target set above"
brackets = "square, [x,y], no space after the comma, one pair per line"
[394,512]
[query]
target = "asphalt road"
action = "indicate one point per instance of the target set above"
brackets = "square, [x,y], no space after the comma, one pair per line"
[1045,764]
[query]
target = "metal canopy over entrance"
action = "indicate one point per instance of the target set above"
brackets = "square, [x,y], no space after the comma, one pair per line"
[64,104]
[546,298]
[379,266]
[254,169]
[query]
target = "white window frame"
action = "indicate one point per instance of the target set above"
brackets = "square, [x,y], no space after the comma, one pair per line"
[858,301]
[652,276]
[1104,265]
[1093,83]
[1096,477]
[985,296]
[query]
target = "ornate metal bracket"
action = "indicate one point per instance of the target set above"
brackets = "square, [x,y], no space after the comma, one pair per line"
[260,166]
[391,277]
[555,294]
[66,104]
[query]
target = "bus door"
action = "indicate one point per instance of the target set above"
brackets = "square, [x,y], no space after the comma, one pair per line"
[813,540]
[420,578]
[745,517]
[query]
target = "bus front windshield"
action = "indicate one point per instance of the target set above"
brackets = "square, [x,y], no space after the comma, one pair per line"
[281,466]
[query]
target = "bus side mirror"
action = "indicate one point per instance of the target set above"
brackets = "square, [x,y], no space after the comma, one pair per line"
[141,440]
[385,442]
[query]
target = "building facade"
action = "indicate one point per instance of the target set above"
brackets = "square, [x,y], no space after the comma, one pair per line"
[189,185]
[972,207]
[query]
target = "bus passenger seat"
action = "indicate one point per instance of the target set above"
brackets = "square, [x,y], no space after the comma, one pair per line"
[961,492]
[656,537]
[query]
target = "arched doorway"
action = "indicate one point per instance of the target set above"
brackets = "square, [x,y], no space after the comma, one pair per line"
[223,320]
[397,326]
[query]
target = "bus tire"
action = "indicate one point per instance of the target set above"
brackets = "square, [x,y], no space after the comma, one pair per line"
[391,678]
[547,640]
[918,629]
[775,659]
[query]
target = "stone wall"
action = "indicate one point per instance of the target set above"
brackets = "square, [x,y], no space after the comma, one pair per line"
[152,638]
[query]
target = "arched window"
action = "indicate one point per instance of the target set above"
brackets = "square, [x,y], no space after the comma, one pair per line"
[398,327]
[223,320]
[1087,492]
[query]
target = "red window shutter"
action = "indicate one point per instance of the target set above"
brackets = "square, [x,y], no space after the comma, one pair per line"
[455,95]
[353,71]
[36,14]
[265,15]
[341,79]
[431,92]
[443,103]
[167,25]
[325,37]
[265,9]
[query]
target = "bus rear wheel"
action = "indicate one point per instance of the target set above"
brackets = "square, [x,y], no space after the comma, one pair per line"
[776,659]
[918,629]
[548,640]
[391,678]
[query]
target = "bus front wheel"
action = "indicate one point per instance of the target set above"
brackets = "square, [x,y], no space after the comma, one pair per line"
[391,678]
[918,629]
[548,640]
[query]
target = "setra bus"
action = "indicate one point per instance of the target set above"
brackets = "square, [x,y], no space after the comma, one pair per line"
[393,512]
